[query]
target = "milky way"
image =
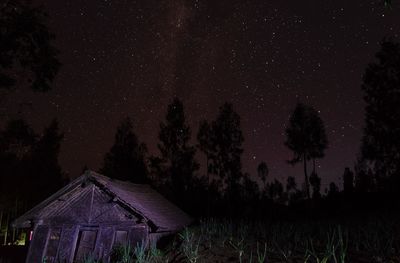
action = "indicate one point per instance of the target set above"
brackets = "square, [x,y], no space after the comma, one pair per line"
[129,58]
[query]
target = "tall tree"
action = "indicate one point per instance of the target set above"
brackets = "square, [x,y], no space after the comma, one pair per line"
[45,169]
[221,142]
[381,86]
[126,158]
[227,141]
[177,155]
[26,50]
[306,137]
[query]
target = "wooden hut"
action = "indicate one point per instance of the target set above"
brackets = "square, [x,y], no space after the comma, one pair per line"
[94,213]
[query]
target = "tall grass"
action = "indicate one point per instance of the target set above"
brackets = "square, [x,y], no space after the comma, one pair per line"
[316,241]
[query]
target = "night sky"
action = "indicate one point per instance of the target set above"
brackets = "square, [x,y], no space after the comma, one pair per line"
[129,58]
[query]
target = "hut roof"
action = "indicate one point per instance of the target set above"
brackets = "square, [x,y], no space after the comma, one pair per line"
[139,199]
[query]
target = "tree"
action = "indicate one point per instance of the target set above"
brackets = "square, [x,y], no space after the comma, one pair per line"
[227,140]
[291,184]
[315,182]
[381,86]
[293,193]
[26,47]
[250,191]
[126,158]
[306,137]
[221,142]
[275,190]
[177,155]
[262,171]
[364,178]
[16,143]
[206,145]
[333,190]
[348,181]
[45,171]
[17,139]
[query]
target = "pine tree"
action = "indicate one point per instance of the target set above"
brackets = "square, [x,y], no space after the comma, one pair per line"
[306,137]
[227,140]
[221,142]
[177,155]
[381,86]
[126,158]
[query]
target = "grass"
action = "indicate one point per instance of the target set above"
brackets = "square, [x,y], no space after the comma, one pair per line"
[218,240]
[319,241]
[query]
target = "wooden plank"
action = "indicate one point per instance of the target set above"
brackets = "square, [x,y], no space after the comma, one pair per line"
[104,245]
[67,243]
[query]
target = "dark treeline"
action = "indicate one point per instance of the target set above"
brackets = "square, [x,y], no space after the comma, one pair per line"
[219,187]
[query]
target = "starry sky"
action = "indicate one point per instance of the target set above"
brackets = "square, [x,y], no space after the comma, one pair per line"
[130,58]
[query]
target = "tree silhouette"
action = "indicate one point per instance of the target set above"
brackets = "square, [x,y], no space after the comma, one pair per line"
[26,47]
[177,156]
[45,171]
[315,182]
[17,138]
[16,143]
[381,86]
[262,171]
[293,193]
[291,184]
[306,137]
[249,196]
[364,178]
[206,144]
[333,190]
[348,181]
[275,190]
[126,158]
[227,141]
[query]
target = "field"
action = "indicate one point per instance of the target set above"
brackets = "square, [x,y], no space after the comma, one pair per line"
[216,240]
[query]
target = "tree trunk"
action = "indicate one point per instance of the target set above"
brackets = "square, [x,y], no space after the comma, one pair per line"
[306,177]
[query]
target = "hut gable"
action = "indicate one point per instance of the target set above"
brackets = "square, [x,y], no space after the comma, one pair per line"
[96,197]
[86,205]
